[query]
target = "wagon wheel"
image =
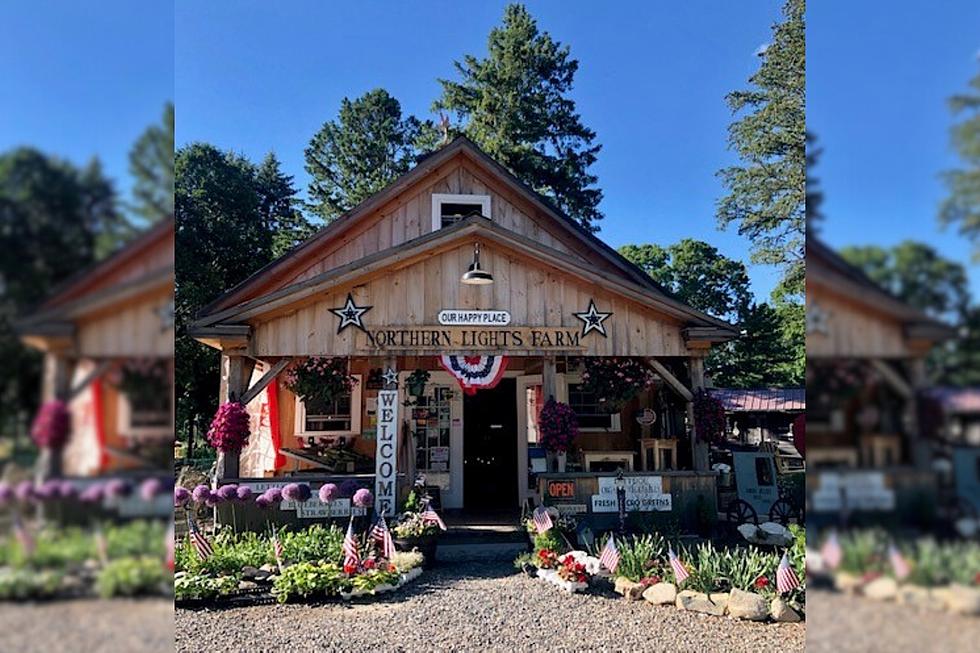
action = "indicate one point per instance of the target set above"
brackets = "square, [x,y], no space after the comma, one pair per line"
[782,512]
[740,512]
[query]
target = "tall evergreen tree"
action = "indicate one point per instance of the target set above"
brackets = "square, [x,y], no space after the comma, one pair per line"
[151,163]
[279,206]
[814,194]
[515,105]
[767,191]
[351,158]
[962,206]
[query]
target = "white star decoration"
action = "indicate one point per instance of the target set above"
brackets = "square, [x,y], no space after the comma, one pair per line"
[592,320]
[391,377]
[350,314]
[817,319]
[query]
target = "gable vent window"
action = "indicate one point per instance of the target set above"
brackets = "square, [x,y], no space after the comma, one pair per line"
[450,209]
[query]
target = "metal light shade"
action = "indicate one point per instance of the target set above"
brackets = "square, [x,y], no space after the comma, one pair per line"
[475,275]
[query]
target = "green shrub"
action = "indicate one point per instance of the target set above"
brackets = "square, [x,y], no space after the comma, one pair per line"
[370,580]
[24,584]
[199,586]
[864,551]
[742,567]
[307,579]
[317,542]
[550,539]
[406,560]
[131,577]
[136,538]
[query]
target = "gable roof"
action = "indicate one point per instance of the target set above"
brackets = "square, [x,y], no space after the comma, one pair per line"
[461,145]
[447,237]
[761,400]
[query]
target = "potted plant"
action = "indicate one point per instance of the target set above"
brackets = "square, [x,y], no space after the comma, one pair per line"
[319,381]
[412,531]
[415,384]
[558,427]
[615,381]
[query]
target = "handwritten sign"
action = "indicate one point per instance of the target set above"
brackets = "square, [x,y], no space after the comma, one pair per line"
[385,464]
[755,477]
[858,490]
[464,317]
[643,494]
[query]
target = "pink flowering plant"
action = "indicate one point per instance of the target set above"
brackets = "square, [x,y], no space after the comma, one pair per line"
[320,380]
[709,417]
[142,380]
[615,381]
[52,425]
[229,429]
[557,426]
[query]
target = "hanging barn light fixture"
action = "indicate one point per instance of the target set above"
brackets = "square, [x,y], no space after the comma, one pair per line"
[475,275]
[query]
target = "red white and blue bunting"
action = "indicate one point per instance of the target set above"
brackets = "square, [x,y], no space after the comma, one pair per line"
[475,372]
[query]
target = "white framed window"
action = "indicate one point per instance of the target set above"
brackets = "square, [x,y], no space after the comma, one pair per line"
[449,209]
[146,416]
[592,417]
[342,416]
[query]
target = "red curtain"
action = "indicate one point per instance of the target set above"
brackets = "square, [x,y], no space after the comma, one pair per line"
[97,415]
[272,393]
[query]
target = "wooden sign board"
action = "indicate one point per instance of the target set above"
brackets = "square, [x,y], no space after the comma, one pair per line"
[445,339]
[387,440]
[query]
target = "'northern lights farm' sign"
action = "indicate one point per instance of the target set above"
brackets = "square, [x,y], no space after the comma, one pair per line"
[472,339]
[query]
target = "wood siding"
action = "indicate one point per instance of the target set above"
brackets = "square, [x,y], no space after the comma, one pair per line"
[133,329]
[853,330]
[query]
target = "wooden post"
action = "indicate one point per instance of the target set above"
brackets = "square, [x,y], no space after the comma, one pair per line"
[549,378]
[56,384]
[918,447]
[236,372]
[699,450]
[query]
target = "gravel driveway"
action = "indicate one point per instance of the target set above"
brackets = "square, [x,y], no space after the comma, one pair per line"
[476,607]
[90,625]
[843,623]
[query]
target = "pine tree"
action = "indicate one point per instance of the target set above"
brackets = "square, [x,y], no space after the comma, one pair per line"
[151,162]
[514,104]
[962,207]
[767,191]
[279,206]
[359,153]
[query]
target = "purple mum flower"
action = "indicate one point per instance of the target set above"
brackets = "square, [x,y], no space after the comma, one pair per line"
[67,490]
[244,493]
[348,488]
[118,488]
[201,493]
[263,502]
[24,491]
[363,498]
[181,497]
[228,492]
[273,494]
[328,492]
[151,488]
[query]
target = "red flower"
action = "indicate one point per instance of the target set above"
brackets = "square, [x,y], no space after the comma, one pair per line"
[761,583]
[650,580]
[976,579]
[369,563]
[350,568]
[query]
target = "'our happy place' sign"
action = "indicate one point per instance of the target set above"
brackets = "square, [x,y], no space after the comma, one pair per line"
[464,317]
[385,464]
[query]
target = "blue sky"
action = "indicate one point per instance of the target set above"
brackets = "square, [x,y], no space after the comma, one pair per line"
[652,82]
[877,84]
[83,80]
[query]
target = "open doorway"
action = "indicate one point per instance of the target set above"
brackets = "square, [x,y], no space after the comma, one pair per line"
[489,449]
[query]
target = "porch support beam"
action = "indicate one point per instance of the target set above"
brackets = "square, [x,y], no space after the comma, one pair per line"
[893,379]
[265,380]
[99,370]
[236,372]
[671,380]
[549,378]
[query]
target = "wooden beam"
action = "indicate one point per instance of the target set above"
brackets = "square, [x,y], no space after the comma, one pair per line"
[893,378]
[265,380]
[99,370]
[671,380]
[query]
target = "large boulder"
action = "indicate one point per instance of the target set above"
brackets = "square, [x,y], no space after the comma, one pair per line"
[962,600]
[631,590]
[782,612]
[715,604]
[747,605]
[915,596]
[881,589]
[848,583]
[660,594]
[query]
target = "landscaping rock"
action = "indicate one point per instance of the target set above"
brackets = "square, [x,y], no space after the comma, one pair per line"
[249,571]
[881,589]
[269,568]
[660,594]
[247,585]
[629,589]
[782,612]
[845,582]
[918,597]
[961,599]
[747,605]
[715,604]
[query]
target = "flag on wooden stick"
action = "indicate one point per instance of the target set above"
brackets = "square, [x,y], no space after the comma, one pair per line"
[23,536]
[831,553]
[609,558]
[201,545]
[786,579]
[542,519]
[351,556]
[430,516]
[680,571]
[899,564]
[382,538]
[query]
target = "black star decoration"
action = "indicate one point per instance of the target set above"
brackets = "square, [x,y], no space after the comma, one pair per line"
[350,314]
[391,377]
[592,320]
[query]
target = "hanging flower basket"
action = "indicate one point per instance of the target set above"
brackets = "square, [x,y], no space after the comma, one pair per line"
[52,426]
[557,426]
[415,384]
[229,429]
[143,380]
[615,381]
[320,381]
[709,418]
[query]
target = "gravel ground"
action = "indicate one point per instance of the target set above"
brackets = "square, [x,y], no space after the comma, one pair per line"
[843,623]
[476,607]
[93,626]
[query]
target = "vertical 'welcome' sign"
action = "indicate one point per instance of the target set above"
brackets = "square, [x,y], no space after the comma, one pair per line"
[385,464]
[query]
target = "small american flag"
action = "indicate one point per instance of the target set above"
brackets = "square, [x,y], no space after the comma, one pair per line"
[680,571]
[542,520]
[101,545]
[831,552]
[899,564]
[23,536]
[200,542]
[429,516]
[609,558]
[382,538]
[351,556]
[277,548]
[786,579]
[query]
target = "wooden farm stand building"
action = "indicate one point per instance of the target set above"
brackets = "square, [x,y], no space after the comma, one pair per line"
[866,376]
[111,324]
[382,286]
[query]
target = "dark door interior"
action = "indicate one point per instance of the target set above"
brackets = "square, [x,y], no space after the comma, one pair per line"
[490,447]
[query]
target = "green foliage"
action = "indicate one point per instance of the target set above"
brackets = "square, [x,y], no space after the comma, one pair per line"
[407,560]
[962,206]
[362,151]
[54,548]
[318,542]
[371,580]
[641,556]
[307,580]
[864,551]
[131,577]
[707,568]
[515,105]
[136,538]
[201,586]
[550,540]
[231,553]
[766,193]
[23,584]
[151,163]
